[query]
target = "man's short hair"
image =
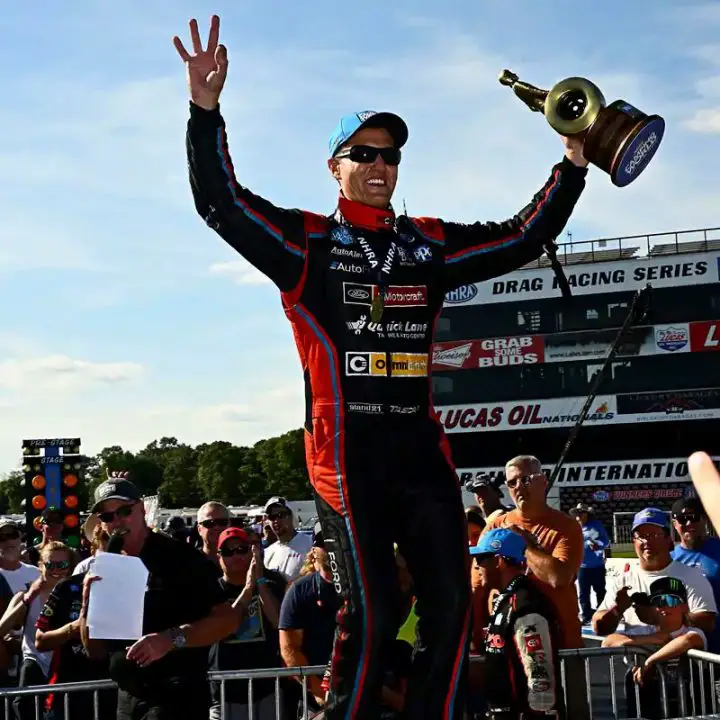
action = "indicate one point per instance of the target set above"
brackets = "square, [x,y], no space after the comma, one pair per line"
[521,460]
[212,505]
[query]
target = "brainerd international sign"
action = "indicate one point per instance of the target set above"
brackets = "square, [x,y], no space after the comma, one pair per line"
[607,472]
[601,277]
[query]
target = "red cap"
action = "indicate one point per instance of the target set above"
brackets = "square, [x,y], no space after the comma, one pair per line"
[233,532]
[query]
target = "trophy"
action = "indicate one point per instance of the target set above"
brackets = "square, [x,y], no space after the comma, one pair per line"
[618,138]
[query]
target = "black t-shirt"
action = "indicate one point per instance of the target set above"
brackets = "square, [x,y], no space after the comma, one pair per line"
[310,605]
[70,662]
[183,587]
[255,644]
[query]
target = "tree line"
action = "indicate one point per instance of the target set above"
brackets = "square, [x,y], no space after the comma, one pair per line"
[187,476]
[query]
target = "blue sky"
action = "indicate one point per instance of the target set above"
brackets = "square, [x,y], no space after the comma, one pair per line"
[123,318]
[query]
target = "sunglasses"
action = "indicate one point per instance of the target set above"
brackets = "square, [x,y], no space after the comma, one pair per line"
[524,479]
[230,551]
[58,565]
[687,519]
[122,512]
[213,523]
[13,535]
[666,601]
[279,515]
[368,154]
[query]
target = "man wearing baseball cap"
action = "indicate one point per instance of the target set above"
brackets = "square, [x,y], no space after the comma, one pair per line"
[697,548]
[362,288]
[522,665]
[256,594]
[620,611]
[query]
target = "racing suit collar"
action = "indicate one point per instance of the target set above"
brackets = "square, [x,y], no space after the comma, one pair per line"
[365,216]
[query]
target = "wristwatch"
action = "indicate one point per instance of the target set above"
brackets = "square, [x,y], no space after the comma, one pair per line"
[179,640]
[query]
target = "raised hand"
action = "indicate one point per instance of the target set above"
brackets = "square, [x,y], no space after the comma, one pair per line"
[206,69]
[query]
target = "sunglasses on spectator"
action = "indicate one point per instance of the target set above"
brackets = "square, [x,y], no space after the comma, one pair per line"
[278,515]
[55,520]
[649,537]
[12,535]
[237,550]
[57,564]
[368,154]
[666,601]
[524,479]
[122,512]
[689,518]
[212,523]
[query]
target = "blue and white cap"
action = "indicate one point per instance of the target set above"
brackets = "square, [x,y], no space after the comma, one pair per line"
[651,516]
[350,124]
[503,542]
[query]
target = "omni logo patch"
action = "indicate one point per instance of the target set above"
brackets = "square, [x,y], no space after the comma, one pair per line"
[365,363]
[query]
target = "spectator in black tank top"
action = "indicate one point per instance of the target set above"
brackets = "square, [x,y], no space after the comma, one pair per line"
[164,674]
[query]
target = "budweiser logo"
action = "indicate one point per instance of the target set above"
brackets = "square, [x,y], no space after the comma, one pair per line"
[454,357]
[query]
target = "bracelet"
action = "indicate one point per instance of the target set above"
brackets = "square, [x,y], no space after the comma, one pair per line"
[261,581]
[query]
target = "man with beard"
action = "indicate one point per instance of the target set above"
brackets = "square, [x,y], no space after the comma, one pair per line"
[697,549]
[363,288]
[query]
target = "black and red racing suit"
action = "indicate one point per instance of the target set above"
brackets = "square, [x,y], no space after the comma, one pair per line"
[378,461]
[522,662]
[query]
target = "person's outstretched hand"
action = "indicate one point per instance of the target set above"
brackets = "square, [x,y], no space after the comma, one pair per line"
[206,69]
[706,479]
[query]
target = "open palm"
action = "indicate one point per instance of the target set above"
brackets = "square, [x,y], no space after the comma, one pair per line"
[206,69]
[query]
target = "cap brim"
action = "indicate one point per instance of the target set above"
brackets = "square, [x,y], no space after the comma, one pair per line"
[111,497]
[477,552]
[391,122]
[664,526]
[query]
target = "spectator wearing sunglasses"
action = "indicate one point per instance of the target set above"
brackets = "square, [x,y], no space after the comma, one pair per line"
[698,549]
[674,636]
[164,673]
[287,554]
[624,611]
[56,563]
[212,518]
[257,594]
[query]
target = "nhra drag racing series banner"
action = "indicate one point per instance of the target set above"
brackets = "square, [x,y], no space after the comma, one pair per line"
[569,346]
[564,412]
[603,277]
[607,473]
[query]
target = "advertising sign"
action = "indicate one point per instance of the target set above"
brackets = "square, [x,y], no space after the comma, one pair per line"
[603,277]
[492,352]
[705,336]
[564,412]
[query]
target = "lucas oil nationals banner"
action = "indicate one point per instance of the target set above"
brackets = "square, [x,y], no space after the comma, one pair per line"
[601,277]
[528,414]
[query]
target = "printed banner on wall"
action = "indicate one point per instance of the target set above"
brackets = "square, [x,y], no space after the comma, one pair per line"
[595,278]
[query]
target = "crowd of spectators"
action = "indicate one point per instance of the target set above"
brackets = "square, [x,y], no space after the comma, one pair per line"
[226,597]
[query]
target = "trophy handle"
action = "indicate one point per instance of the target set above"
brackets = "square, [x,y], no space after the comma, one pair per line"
[572,105]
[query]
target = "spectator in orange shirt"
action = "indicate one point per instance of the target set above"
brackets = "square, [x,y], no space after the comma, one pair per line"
[554,554]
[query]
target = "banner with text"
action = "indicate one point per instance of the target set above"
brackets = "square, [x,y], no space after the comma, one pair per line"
[603,473]
[569,346]
[590,279]
[705,336]
[564,412]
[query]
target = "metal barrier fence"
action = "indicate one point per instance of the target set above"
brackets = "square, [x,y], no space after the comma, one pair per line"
[597,682]
[703,678]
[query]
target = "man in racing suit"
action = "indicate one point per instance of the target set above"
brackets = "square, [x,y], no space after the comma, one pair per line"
[362,289]
[522,665]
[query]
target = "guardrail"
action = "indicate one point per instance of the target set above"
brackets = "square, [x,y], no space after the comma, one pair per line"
[698,690]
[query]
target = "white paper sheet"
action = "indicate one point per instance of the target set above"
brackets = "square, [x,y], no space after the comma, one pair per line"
[117,602]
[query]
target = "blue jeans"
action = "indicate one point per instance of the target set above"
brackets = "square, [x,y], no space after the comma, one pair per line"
[592,578]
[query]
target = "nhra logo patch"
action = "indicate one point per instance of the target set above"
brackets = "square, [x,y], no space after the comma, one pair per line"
[463,294]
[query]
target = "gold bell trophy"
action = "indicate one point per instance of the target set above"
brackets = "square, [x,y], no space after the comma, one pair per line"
[618,138]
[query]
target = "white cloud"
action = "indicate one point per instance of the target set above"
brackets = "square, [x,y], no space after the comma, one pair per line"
[239,271]
[704,121]
[62,373]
